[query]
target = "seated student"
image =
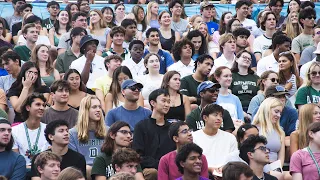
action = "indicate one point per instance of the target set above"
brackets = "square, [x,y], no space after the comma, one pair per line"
[125,160]
[178,24]
[57,135]
[216,144]
[227,44]
[237,171]
[53,8]
[151,138]
[121,176]
[180,133]
[189,162]
[12,164]
[254,151]
[208,92]
[48,165]
[70,173]
[118,136]
[130,111]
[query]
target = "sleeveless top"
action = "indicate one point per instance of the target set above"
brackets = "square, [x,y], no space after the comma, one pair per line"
[176,113]
[294,88]
[48,80]
[120,103]
[56,40]
[167,44]
[274,144]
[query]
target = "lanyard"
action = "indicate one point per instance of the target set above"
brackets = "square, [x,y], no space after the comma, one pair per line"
[314,159]
[32,150]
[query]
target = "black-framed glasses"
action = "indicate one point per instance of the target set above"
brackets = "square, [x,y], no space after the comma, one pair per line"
[274,79]
[125,132]
[246,58]
[134,88]
[186,131]
[314,73]
[262,148]
[212,89]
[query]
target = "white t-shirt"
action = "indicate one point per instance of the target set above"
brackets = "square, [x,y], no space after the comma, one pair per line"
[149,85]
[182,69]
[304,69]
[216,148]
[249,24]
[41,40]
[137,70]
[21,141]
[261,44]
[267,63]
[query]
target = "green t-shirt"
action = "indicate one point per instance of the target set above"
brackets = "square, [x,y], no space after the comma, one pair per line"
[307,95]
[64,61]
[189,87]
[195,122]
[23,51]
[245,87]
[102,166]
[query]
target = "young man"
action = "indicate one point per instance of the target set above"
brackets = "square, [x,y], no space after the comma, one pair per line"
[305,39]
[57,134]
[254,151]
[216,144]
[242,9]
[16,17]
[84,6]
[227,45]
[237,171]
[182,52]
[304,68]
[30,33]
[48,165]
[206,12]
[53,8]
[135,63]
[125,160]
[177,23]
[208,93]
[276,7]
[189,84]
[263,42]
[130,27]
[130,111]
[28,136]
[280,43]
[189,162]
[153,37]
[12,165]
[102,84]
[150,137]
[181,134]
[23,10]
[117,34]
[60,90]
[307,54]
[90,65]
[65,59]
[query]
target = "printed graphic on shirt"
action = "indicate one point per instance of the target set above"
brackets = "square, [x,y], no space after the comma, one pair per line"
[245,86]
[109,170]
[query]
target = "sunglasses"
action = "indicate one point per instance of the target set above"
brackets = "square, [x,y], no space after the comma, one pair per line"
[125,132]
[262,148]
[134,88]
[274,79]
[311,17]
[314,73]
[212,90]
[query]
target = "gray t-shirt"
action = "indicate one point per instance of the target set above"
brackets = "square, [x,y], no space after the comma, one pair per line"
[70,115]
[180,27]
[307,54]
[301,42]
[90,150]
[11,20]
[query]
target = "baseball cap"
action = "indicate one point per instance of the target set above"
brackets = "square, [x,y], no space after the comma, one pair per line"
[206,85]
[276,90]
[130,82]
[205,4]
[4,121]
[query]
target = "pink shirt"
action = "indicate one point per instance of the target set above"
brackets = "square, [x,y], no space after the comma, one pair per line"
[168,170]
[301,162]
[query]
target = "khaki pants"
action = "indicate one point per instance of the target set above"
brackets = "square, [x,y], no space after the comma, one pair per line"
[150,174]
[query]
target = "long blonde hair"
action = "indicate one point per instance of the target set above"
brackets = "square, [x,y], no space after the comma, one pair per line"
[83,121]
[263,117]
[312,66]
[291,30]
[102,22]
[305,119]
[148,18]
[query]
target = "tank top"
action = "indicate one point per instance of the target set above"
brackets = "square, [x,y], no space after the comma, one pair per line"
[294,88]
[48,80]
[176,113]
[167,44]
[274,144]
[56,40]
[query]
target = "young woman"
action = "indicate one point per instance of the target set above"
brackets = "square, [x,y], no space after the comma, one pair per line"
[304,163]
[5,37]
[311,92]
[213,48]
[288,73]
[293,6]
[267,121]
[167,36]
[72,9]
[78,90]
[87,136]
[194,21]
[225,99]
[28,81]
[118,136]
[293,27]
[225,18]
[152,14]
[139,15]
[108,16]
[98,27]
[60,27]
[115,98]
[180,105]
[244,80]
[199,42]
[40,55]
[119,12]
[308,114]
[70,173]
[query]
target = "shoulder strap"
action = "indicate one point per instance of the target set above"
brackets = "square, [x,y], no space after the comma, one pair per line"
[181,99]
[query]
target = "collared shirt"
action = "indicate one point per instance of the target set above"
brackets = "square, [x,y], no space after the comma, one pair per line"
[267,63]
[64,61]
[137,70]
[125,55]
[222,61]
[97,65]
[184,70]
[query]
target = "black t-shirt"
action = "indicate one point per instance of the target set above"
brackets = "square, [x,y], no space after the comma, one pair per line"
[70,159]
[15,28]
[266,177]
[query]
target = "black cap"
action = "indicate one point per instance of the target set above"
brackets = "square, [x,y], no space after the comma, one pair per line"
[85,40]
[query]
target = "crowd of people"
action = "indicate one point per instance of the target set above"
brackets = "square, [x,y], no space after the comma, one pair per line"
[104,94]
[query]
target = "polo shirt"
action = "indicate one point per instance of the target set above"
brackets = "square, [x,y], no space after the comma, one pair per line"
[222,61]
[23,51]
[125,55]
[64,61]
[165,60]
[184,70]
[137,70]
[98,69]
[267,63]
[249,24]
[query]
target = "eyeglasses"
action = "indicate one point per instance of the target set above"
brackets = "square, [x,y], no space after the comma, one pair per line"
[54,7]
[125,132]
[134,88]
[314,73]
[212,89]
[311,17]
[274,79]
[186,131]
[246,58]
[262,148]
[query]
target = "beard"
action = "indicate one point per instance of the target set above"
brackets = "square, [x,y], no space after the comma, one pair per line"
[4,144]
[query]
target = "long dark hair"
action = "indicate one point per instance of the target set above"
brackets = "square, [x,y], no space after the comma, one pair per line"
[115,86]
[109,143]
[293,68]
[222,25]
[135,11]
[56,24]
[166,79]
[17,85]
[228,27]
[197,33]
[82,87]
[111,24]
[235,67]
[68,9]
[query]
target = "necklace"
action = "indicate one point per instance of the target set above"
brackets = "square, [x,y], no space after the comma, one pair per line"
[33,150]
